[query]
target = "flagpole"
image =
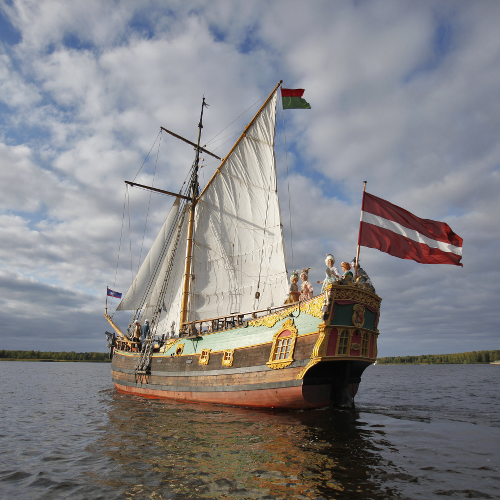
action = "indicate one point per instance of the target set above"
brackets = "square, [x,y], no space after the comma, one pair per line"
[106,309]
[359,236]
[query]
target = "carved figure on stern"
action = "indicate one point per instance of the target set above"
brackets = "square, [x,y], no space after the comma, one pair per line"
[306,289]
[347,276]
[362,277]
[294,293]
[332,273]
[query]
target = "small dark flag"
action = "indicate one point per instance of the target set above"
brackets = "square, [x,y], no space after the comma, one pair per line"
[292,99]
[111,293]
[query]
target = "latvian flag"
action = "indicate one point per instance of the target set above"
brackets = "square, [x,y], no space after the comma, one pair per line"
[111,293]
[393,230]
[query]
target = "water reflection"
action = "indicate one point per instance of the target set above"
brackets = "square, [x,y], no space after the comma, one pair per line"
[160,449]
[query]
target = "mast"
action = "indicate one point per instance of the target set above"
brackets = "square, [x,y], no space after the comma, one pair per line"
[189,243]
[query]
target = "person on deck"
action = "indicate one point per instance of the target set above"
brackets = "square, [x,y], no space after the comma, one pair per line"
[136,333]
[294,294]
[347,275]
[306,289]
[145,330]
[332,273]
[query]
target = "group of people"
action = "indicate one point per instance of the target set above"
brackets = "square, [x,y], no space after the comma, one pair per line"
[332,276]
[139,333]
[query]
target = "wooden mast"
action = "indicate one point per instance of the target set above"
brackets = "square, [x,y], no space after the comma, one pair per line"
[189,242]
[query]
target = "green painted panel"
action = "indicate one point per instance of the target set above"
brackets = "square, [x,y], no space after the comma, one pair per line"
[343,316]
[244,337]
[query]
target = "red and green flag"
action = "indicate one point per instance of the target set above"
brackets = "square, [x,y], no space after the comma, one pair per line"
[292,99]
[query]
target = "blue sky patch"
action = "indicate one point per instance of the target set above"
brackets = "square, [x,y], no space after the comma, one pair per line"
[72,41]
[441,46]
[8,34]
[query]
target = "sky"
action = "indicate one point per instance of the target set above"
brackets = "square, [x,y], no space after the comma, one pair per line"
[404,95]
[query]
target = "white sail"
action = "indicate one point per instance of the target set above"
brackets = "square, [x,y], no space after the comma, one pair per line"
[171,277]
[238,238]
[142,286]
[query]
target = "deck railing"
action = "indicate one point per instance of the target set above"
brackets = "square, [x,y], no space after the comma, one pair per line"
[234,320]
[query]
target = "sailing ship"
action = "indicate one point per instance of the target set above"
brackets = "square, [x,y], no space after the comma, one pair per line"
[213,287]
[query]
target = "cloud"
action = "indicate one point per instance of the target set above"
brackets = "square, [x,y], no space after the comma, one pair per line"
[35,315]
[403,95]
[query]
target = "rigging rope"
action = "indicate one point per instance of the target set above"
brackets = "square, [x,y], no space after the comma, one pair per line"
[288,184]
[147,156]
[130,236]
[149,203]
[141,306]
[120,245]
[259,100]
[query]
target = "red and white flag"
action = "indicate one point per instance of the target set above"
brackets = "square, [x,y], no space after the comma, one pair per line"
[396,231]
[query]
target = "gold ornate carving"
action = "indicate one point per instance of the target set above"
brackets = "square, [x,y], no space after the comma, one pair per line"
[179,349]
[320,346]
[272,319]
[168,344]
[283,346]
[277,365]
[359,296]
[312,307]
[204,356]
[312,362]
[355,346]
[228,357]
[358,316]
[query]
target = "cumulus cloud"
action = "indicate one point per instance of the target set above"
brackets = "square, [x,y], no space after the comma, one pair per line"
[403,95]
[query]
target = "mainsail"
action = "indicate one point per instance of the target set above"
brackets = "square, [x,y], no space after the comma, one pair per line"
[238,236]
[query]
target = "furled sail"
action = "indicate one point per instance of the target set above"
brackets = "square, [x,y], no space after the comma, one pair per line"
[143,284]
[238,237]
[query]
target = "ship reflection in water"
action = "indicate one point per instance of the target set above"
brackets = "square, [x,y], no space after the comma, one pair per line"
[419,432]
[175,450]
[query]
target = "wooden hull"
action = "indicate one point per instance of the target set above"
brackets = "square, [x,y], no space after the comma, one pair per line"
[324,366]
[299,397]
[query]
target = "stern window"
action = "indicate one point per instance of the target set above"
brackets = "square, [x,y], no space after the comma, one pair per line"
[343,342]
[365,343]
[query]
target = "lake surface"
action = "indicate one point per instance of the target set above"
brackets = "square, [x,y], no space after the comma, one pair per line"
[418,432]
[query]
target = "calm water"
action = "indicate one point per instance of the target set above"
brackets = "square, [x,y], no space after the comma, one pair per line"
[418,432]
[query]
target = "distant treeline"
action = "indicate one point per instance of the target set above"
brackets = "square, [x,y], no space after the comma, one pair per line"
[56,356]
[459,358]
